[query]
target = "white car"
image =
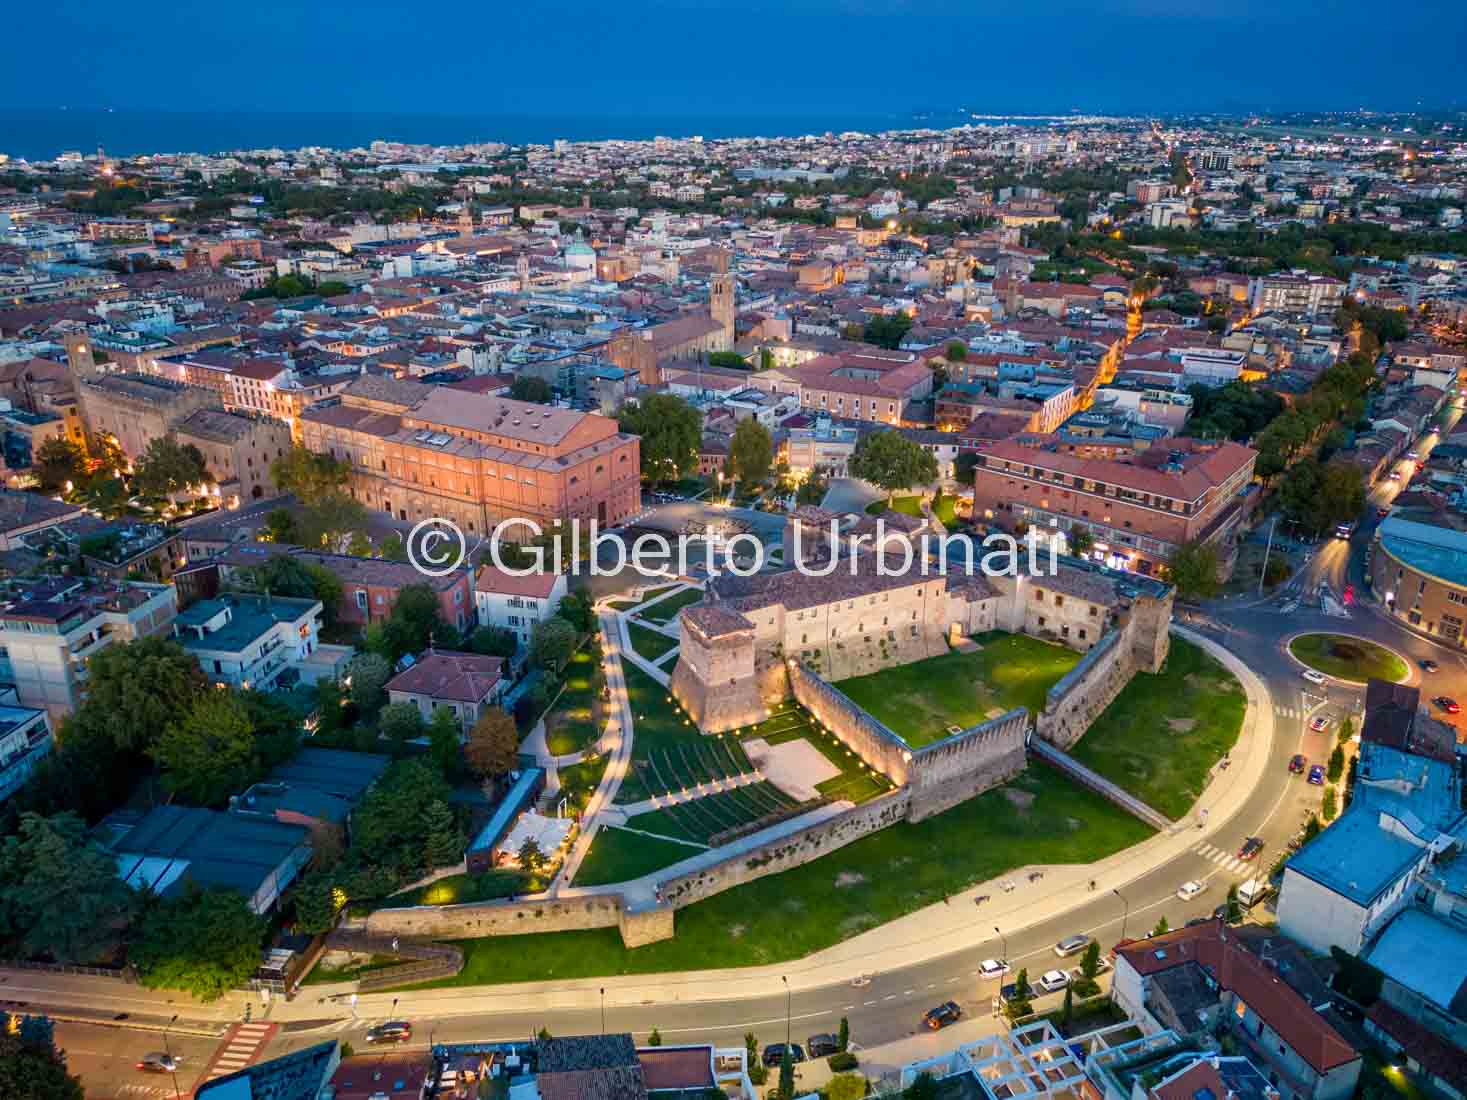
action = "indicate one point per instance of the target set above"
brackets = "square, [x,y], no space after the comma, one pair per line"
[1189,890]
[993,968]
[1053,981]
[1314,677]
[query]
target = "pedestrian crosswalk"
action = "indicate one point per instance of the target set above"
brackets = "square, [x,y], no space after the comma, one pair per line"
[242,1045]
[1288,712]
[1226,860]
[353,1023]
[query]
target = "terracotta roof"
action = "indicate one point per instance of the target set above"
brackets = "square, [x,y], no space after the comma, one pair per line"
[1215,948]
[19,510]
[497,581]
[1433,1053]
[1188,1084]
[677,1068]
[446,674]
[715,620]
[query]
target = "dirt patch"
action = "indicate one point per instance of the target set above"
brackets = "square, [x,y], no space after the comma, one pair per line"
[1022,799]
[1074,823]
[1181,725]
[849,878]
[737,930]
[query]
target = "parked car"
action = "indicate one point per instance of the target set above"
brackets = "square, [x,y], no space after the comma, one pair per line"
[946,1013]
[1447,704]
[1316,775]
[1319,723]
[1071,945]
[1251,847]
[993,968]
[774,1054]
[392,1031]
[1052,981]
[1189,890]
[158,1062]
[1298,764]
[1429,665]
[822,1045]
[1313,677]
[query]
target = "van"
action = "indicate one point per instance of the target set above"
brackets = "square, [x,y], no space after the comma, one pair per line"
[1253,891]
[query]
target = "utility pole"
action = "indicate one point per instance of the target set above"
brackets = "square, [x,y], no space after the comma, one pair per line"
[1005,941]
[1125,912]
[787,1000]
[1263,573]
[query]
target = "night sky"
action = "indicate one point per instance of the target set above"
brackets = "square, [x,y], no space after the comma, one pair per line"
[719,58]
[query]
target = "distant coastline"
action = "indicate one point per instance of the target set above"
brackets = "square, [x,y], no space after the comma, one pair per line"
[46,134]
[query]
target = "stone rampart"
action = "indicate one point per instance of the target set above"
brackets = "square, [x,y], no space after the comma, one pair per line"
[957,768]
[872,740]
[499,918]
[1086,690]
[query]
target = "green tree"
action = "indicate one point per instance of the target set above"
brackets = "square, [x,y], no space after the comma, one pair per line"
[315,902]
[1312,828]
[280,526]
[1347,731]
[729,360]
[393,548]
[58,461]
[671,433]
[655,1038]
[530,856]
[400,723]
[843,1036]
[416,623]
[1067,1012]
[787,1073]
[1193,569]
[167,466]
[1330,806]
[891,461]
[1162,928]
[59,891]
[956,351]
[31,1067]
[299,578]
[552,642]
[1081,539]
[1022,989]
[846,1086]
[208,752]
[528,388]
[1234,909]
[106,454]
[134,690]
[887,330]
[751,452]
[204,942]
[925,1087]
[390,826]
[576,608]
[368,674]
[493,745]
[494,641]
[443,840]
[444,738]
[1336,766]
[330,516]
[965,467]
[1090,961]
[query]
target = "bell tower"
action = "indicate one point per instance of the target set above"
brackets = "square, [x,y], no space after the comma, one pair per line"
[721,297]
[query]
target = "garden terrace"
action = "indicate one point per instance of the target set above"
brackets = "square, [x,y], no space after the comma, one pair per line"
[665,610]
[650,644]
[719,818]
[923,701]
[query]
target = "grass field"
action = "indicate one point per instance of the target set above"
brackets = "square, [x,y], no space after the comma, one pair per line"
[1161,736]
[919,701]
[1041,817]
[907,505]
[790,722]
[618,856]
[579,781]
[649,644]
[461,888]
[945,508]
[663,612]
[701,819]
[1348,658]
[571,724]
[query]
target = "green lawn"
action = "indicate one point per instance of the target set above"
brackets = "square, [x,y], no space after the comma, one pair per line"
[649,644]
[619,856]
[571,724]
[1162,735]
[790,721]
[462,888]
[668,751]
[663,612]
[945,508]
[579,781]
[919,701]
[1348,658]
[1041,817]
[701,819]
[908,506]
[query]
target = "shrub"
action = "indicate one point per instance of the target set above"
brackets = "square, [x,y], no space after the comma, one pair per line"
[1336,766]
[846,1086]
[842,1061]
[1329,807]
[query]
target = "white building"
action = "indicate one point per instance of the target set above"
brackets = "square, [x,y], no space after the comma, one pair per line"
[247,641]
[1212,366]
[517,603]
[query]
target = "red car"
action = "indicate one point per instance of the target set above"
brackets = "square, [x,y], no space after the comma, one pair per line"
[1250,849]
[1298,764]
[1449,705]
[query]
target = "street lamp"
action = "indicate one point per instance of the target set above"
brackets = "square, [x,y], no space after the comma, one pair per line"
[1125,912]
[788,995]
[1003,940]
[168,1053]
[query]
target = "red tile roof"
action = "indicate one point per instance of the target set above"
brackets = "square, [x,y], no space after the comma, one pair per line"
[460,677]
[497,581]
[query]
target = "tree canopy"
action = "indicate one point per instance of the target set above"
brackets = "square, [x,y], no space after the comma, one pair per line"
[31,1067]
[529,388]
[493,744]
[891,461]
[671,431]
[57,461]
[167,466]
[204,942]
[208,752]
[751,453]
[1193,569]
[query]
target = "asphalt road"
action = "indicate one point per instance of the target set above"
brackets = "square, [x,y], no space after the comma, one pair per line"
[105,1058]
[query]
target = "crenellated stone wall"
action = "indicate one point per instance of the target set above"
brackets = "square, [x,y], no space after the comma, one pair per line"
[1086,690]
[869,738]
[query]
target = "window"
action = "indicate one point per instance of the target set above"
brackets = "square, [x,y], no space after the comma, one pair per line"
[361,599]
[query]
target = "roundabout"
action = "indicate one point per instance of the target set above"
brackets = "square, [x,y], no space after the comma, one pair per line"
[1348,657]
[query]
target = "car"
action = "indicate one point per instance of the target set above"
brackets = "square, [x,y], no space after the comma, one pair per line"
[774,1054]
[1429,665]
[158,1062]
[1395,475]
[935,1019]
[1413,455]
[822,1045]
[1298,764]
[1251,847]
[390,1031]
[1383,511]
[1314,677]
[1447,704]
[1008,993]
[993,968]
[1316,775]
[1189,890]
[1071,945]
[1052,981]
[1319,723]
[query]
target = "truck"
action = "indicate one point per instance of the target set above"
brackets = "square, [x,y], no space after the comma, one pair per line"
[1253,891]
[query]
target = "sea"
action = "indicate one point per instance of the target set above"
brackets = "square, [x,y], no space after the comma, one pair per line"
[46,134]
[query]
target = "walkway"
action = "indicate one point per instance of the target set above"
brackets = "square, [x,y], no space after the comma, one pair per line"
[636,658]
[714,786]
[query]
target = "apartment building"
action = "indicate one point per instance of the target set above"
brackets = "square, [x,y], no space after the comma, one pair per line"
[418,451]
[1295,294]
[25,740]
[1138,509]
[248,641]
[1419,573]
[517,603]
[48,630]
[872,385]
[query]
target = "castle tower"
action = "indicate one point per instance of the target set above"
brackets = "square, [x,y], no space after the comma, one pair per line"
[633,351]
[79,355]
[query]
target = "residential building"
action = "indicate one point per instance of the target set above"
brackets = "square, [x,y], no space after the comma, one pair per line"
[517,603]
[869,384]
[1138,509]
[582,1066]
[421,451]
[49,628]
[172,847]
[825,447]
[25,740]
[466,684]
[24,514]
[249,641]
[1300,293]
[303,1074]
[406,1076]
[1418,571]
[1202,979]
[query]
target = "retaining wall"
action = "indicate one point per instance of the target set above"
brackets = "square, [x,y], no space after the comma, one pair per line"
[1086,690]
[499,918]
[870,739]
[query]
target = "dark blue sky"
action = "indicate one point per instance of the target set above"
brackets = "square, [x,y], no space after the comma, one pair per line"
[749,58]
